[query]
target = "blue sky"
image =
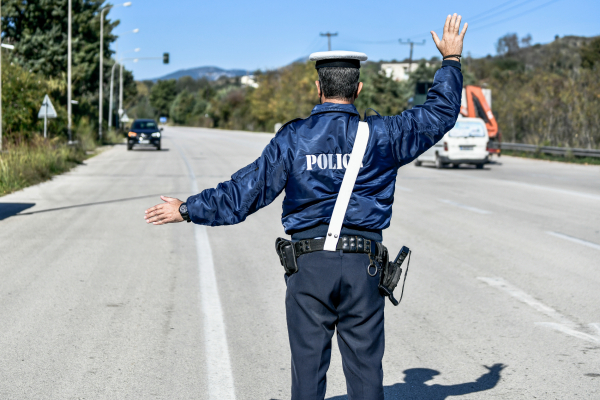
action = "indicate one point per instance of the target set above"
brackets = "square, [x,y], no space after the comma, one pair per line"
[269,34]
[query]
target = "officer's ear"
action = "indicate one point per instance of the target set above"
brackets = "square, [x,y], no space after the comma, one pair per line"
[318,88]
[360,86]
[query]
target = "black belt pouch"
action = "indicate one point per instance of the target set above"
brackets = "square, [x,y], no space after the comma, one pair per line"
[287,255]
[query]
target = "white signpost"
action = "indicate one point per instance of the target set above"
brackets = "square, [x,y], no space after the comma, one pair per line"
[47,111]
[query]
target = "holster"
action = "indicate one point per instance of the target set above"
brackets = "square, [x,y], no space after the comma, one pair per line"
[390,274]
[287,255]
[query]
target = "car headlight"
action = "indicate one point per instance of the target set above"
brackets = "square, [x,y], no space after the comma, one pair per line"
[156,134]
[132,134]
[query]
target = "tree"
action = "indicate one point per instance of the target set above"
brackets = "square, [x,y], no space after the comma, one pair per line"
[39,30]
[382,93]
[507,44]
[182,107]
[161,96]
[590,54]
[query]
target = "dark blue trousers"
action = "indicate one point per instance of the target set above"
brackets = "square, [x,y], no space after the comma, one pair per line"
[333,290]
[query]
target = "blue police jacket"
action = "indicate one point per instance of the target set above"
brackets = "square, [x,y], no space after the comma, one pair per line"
[308,157]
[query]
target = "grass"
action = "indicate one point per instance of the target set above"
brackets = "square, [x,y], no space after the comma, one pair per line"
[27,164]
[549,157]
[38,160]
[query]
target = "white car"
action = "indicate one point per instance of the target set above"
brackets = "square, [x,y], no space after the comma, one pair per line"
[466,143]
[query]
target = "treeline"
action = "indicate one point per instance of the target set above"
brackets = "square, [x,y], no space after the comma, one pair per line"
[281,95]
[542,94]
[547,95]
[38,66]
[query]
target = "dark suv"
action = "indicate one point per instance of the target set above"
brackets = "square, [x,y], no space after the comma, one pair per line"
[144,131]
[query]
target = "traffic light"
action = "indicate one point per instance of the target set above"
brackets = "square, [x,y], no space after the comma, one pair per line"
[165,58]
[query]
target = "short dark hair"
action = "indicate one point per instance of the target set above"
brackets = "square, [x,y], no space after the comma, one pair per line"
[339,83]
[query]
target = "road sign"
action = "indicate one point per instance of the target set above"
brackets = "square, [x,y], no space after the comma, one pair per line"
[125,118]
[47,111]
[163,120]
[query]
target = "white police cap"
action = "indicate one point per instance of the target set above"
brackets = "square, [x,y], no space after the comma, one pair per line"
[338,58]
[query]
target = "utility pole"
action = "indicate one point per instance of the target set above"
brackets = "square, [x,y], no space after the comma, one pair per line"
[411,51]
[329,35]
[69,117]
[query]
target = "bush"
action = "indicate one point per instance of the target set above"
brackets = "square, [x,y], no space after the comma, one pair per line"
[26,164]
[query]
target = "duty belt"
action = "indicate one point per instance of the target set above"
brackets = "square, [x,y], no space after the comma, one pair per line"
[348,244]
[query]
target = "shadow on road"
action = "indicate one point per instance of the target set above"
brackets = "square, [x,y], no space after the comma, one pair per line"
[461,167]
[27,205]
[152,149]
[414,386]
[10,209]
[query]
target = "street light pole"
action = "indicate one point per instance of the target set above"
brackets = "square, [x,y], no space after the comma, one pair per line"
[120,111]
[112,75]
[110,102]
[100,94]
[0,75]
[11,47]
[69,117]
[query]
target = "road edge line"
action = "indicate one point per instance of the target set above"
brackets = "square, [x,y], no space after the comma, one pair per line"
[219,373]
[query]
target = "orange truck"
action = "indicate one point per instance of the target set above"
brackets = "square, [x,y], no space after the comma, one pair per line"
[477,103]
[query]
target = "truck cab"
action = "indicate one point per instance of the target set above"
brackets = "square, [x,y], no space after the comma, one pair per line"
[466,143]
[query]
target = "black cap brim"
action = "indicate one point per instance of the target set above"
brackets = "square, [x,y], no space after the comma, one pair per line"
[338,63]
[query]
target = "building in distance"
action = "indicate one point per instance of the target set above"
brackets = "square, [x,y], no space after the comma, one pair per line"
[249,80]
[399,71]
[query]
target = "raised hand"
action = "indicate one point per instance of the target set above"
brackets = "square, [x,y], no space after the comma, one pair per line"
[452,40]
[496,368]
[164,213]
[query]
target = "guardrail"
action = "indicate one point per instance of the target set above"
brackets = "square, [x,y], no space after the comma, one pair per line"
[558,151]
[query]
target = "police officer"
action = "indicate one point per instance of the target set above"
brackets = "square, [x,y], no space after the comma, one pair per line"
[307,158]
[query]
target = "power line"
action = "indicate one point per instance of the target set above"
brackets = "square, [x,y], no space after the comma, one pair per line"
[311,46]
[477,17]
[492,9]
[501,12]
[518,15]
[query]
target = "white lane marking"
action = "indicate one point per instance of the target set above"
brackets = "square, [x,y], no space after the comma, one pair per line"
[561,191]
[564,325]
[569,331]
[526,298]
[465,207]
[220,377]
[528,185]
[574,240]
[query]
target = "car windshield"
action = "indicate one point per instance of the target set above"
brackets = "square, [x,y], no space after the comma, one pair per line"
[467,129]
[144,125]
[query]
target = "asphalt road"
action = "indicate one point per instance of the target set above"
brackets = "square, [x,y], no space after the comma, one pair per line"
[96,304]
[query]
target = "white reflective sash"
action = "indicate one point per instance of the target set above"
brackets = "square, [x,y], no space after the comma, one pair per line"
[341,204]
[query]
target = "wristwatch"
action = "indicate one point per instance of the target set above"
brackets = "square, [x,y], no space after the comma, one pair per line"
[184,212]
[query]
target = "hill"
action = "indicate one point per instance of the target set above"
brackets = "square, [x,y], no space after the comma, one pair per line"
[208,72]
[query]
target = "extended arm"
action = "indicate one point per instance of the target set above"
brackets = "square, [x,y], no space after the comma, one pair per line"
[251,188]
[416,130]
